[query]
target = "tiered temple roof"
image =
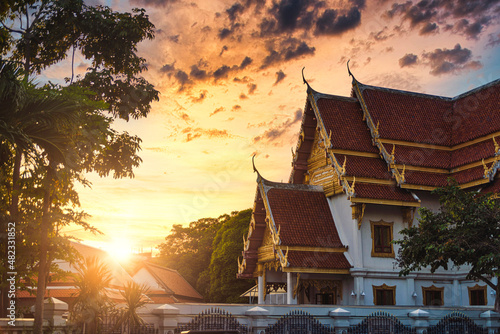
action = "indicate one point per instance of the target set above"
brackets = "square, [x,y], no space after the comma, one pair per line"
[379,146]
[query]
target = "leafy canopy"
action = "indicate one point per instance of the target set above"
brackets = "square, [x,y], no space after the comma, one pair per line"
[465,231]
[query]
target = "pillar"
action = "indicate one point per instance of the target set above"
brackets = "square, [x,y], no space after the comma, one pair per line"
[457,295]
[260,296]
[289,290]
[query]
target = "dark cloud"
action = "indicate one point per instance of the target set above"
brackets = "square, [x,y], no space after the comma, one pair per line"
[224,32]
[216,111]
[429,28]
[278,131]
[236,107]
[331,23]
[251,88]
[152,3]
[288,49]
[288,16]
[247,61]
[408,60]
[224,49]
[168,68]
[200,98]
[195,133]
[380,36]
[493,40]
[280,75]
[234,11]
[197,73]
[243,96]
[465,17]
[444,61]
[183,79]
[221,72]
[174,38]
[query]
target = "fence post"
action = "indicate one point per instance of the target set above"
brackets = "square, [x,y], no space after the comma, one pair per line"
[258,319]
[340,319]
[492,321]
[419,320]
[168,315]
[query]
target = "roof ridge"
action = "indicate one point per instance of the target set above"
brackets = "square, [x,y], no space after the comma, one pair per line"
[292,186]
[475,90]
[318,95]
[405,92]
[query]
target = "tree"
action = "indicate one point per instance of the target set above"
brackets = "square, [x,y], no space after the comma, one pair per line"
[37,35]
[466,231]
[135,298]
[92,280]
[219,279]
[188,249]
[206,254]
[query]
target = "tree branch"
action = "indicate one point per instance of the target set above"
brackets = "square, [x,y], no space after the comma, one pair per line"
[13,30]
[485,280]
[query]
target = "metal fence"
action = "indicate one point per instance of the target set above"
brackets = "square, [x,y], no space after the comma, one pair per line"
[214,320]
[298,322]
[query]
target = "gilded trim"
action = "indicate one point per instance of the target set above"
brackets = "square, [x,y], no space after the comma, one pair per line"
[440,147]
[432,288]
[384,287]
[384,202]
[373,224]
[478,287]
[315,270]
[314,249]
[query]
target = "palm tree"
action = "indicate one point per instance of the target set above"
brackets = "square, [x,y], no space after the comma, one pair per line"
[92,280]
[135,298]
[32,123]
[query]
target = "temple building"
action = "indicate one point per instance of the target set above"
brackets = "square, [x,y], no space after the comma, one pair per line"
[362,167]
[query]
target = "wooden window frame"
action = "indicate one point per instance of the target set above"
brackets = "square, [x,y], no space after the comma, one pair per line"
[391,229]
[384,287]
[478,287]
[432,288]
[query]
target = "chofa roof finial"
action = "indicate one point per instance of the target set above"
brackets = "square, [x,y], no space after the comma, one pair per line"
[253,164]
[304,78]
[349,70]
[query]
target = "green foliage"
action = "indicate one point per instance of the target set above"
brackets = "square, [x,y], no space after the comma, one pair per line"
[51,135]
[205,253]
[188,249]
[223,285]
[135,298]
[466,231]
[91,301]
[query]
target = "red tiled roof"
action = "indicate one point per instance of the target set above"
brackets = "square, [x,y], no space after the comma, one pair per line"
[410,116]
[380,191]
[56,293]
[364,166]
[344,118]
[472,153]
[493,187]
[322,260]
[418,156]
[426,178]
[173,281]
[476,113]
[469,175]
[304,217]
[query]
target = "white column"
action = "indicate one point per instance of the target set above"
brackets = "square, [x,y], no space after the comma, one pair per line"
[457,295]
[357,250]
[289,289]
[359,287]
[260,296]
[410,284]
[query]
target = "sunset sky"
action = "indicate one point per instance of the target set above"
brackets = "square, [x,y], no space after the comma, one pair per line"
[229,73]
